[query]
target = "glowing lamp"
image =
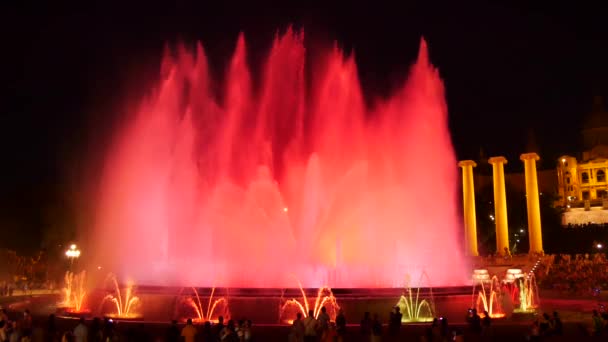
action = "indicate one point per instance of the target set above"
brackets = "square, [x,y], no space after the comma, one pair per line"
[481,275]
[513,274]
[73,252]
[599,246]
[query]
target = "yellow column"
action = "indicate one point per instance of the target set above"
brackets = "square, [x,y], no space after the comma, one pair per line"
[500,204]
[532,199]
[470,221]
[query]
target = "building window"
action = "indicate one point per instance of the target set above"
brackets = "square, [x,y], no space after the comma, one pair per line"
[601,194]
[585,195]
[585,177]
[600,176]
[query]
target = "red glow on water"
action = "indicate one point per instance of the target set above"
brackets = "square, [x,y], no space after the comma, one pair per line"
[196,187]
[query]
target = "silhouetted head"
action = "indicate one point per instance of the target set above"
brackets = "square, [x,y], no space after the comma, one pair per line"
[189,321]
[311,313]
[485,313]
[555,314]
[299,315]
[82,320]
[174,322]
[397,310]
[323,310]
[220,319]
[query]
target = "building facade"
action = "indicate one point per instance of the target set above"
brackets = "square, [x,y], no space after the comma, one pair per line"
[582,182]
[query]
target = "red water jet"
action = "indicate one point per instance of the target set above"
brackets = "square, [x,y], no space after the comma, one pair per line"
[282,181]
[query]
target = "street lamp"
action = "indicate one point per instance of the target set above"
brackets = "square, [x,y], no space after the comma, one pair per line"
[72,253]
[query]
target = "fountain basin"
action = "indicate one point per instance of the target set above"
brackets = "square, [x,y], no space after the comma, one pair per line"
[69,312]
[262,306]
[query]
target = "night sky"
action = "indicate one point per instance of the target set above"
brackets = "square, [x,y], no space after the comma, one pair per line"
[515,77]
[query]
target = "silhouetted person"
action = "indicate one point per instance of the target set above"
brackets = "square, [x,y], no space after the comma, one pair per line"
[207,332]
[486,321]
[51,329]
[394,323]
[558,326]
[310,327]
[597,323]
[297,329]
[95,333]
[172,334]
[366,325]
[81,332]
[376,329]
[433,332]
[189,331]
[475,322]
[323,322]
[247,330]
[445,329]
[219,327]
[228,334]
[545,325]
[240,330]
[341,325]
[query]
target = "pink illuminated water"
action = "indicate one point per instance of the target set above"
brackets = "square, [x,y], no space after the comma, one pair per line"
[244,183]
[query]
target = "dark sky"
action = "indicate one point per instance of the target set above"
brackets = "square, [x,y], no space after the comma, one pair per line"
[513,73]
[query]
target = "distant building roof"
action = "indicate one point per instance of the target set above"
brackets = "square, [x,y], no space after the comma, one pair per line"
[595,127]
[598,117]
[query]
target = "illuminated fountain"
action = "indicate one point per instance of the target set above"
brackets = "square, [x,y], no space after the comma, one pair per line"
[415,309]
[74,293]
[325,298]
[527,291]
[125,305]
[294,168]
[215,307]
[488,297]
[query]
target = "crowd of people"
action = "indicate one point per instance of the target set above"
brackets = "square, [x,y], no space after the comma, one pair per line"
[303,329]
[579,275]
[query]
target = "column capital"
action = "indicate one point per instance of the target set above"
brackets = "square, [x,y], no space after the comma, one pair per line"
[529,156]
[497,160]
[465,163]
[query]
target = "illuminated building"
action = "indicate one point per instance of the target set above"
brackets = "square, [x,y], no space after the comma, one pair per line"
[582,186]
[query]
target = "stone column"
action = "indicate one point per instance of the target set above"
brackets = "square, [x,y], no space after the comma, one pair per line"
[533,203]
[500,204]
[468,203]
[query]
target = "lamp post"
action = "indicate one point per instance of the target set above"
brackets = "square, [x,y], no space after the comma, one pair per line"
[72,253]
